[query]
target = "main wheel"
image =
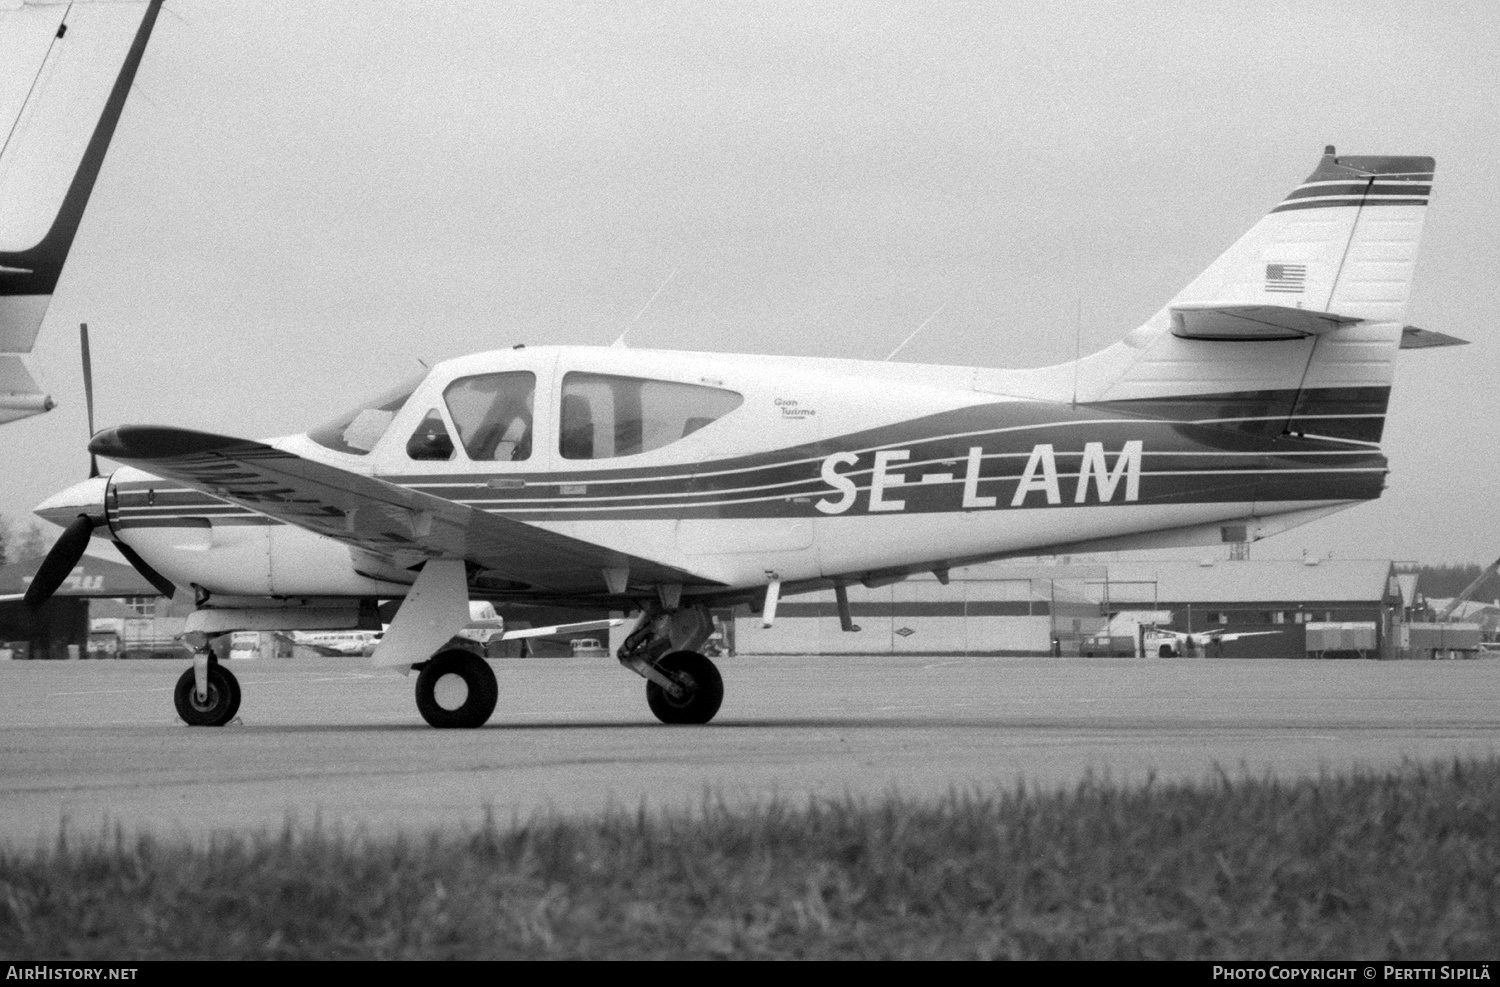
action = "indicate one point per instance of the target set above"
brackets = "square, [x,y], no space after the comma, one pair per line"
[218,708]
[457,689]
[704,689]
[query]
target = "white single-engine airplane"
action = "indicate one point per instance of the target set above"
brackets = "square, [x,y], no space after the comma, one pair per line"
[668,483]
[1168,643]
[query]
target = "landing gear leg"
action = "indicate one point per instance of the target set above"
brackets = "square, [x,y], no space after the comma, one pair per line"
[208,694]
[682,686]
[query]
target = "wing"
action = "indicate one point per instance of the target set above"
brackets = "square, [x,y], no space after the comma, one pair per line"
[1239,634]
[398,525]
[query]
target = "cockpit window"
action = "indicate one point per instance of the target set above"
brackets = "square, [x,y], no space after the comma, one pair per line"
[492,413]
[430,440]
[359,429]
[604,416]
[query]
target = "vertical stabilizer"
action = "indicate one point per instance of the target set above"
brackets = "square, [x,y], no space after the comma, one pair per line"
[65,72]
[1344,241]
[1295,328]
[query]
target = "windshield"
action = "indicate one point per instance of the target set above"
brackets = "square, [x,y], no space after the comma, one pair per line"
[359,429]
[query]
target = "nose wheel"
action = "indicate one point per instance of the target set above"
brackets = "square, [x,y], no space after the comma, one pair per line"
[214,709]
[700,689]
[456,688]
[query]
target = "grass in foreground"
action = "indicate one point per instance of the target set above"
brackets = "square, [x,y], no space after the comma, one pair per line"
[1400,865]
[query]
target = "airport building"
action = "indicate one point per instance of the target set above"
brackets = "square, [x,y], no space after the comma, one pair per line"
[1295,609]
[103,609]
[1317,608]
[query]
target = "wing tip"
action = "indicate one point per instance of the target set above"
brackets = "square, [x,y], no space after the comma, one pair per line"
[153,442]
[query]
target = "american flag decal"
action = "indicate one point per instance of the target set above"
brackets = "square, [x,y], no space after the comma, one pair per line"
[1286,278]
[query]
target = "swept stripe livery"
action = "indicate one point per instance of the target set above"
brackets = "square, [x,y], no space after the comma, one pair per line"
[1181,462]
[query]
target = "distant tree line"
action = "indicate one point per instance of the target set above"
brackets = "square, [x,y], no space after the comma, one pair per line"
[20,543]
[1447,581]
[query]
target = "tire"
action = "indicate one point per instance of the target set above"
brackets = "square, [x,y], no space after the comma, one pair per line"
[705,689]
[223,698]
[440,700]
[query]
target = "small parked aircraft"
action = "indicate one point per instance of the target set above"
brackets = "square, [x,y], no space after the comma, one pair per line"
[65,74]
[668,484]
[336,643]
[1168,643]
[484,627]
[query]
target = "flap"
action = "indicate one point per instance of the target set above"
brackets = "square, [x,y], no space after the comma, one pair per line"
[401,526]
[1252,322]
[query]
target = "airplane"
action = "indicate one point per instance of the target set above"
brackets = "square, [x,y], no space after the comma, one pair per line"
[335,643]
[485,626]
[1174,644]
[669,484]
[60,100]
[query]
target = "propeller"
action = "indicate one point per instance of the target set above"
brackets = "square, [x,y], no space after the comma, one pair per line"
[88,391]
[65,553]
[85,501]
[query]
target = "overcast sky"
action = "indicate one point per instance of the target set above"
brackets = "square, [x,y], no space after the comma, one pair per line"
[305,198]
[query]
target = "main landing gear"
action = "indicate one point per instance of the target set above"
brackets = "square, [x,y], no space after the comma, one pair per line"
[456,688]
[699,692]
[682,686]
[208,694]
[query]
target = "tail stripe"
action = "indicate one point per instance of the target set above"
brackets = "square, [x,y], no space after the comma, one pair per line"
[1336,201]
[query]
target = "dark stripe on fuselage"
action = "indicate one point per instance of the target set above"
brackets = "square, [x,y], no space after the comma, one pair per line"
[1356,414]
[184,521]
[1180,462]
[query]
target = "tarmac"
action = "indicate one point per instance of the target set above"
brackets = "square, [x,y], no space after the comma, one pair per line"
[92,746]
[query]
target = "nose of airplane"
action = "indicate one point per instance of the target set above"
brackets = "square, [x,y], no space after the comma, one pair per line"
[86,498]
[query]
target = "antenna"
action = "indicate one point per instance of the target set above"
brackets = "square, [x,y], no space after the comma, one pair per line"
[620,340]
[914,332]
[1077,347]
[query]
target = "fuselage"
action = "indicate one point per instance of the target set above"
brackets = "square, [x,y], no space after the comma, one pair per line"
[743,468]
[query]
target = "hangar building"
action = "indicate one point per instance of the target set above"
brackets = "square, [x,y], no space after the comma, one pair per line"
[1308,608]
[60,628]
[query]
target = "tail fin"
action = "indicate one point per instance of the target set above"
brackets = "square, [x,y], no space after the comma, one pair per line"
[1295,328]
[1344,241]
[63,83]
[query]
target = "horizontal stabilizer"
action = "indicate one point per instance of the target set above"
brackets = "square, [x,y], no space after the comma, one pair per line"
[19,395]
[1252,322]
[1413,338]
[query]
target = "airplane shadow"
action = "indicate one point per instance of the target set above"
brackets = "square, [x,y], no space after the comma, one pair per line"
[1074,725]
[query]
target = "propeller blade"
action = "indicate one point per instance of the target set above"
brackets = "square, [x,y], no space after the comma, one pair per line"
[88,391]
[153,577]
[60,561]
